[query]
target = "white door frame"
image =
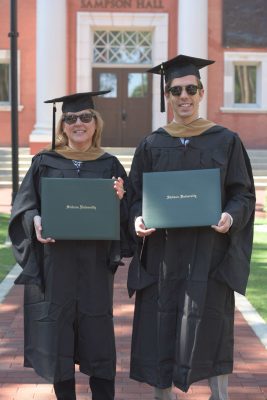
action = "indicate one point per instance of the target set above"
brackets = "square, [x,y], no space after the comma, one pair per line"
[87,22]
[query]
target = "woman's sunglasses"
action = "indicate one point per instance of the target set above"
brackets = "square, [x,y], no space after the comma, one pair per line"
[190,89]
[72,118]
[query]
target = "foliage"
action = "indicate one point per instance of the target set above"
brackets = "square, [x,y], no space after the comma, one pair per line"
[256,291]
[7,260]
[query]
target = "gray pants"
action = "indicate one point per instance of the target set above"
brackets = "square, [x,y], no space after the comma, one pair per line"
[218,386]
[163,394]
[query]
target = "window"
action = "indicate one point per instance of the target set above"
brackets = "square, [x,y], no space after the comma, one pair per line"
[244,82]
[4,82]
[244,23]
[137,85]
[123,47]
[5,77]
[108,81]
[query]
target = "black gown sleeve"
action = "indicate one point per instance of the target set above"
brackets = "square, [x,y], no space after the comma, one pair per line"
[141,163]
[138,277]
[27,250]
[239,187]
[125,247]
[240,204]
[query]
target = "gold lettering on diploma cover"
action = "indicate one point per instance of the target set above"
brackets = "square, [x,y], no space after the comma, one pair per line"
[80,207]
[180,196]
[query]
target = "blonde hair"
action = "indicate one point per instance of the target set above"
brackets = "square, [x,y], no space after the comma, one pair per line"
[62,139]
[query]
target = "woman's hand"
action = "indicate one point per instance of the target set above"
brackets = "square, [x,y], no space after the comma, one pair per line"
[140,228]
[224,224]
[38,230]
[118,186]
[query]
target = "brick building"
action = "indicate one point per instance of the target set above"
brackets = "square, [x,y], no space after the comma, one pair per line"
[66,46]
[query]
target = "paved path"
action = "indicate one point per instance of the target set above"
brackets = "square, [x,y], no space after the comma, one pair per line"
[5,200]
[249,381]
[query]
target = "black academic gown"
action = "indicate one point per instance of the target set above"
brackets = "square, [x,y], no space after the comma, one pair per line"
[185,278]
[68,284]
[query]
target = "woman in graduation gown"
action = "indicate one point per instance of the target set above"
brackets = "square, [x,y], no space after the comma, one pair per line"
[185,278]
[69,284]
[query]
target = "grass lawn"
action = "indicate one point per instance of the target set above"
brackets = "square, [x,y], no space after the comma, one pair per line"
[256,291]
[7,261]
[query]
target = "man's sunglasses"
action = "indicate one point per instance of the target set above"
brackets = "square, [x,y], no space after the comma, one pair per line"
[190,89]
[72,118]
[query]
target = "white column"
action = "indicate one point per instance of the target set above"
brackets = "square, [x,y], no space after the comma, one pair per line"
[193,36]
[50,63]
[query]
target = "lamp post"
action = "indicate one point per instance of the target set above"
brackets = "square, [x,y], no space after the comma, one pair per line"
[13,34]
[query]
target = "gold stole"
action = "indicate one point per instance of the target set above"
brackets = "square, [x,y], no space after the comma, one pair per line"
[195,128]
[88,155]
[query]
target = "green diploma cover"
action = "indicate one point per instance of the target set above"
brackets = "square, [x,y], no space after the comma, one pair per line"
[176,199]
[80,208]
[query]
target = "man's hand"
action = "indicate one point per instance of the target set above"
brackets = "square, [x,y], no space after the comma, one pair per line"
[38,230]
[140,228]
[224,224]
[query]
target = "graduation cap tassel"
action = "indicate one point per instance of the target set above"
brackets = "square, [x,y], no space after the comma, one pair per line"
[54,127]
[162,100]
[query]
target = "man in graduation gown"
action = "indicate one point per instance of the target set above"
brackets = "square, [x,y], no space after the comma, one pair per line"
[185,278]
[68,302]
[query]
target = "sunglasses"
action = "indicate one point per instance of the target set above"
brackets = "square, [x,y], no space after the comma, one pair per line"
[190,89]
[72,118]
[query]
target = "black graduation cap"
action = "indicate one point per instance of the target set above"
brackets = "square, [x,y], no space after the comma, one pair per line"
[73,103]
[177,67]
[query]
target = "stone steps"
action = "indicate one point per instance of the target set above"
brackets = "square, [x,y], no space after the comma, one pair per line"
[125,156]
[258,160]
